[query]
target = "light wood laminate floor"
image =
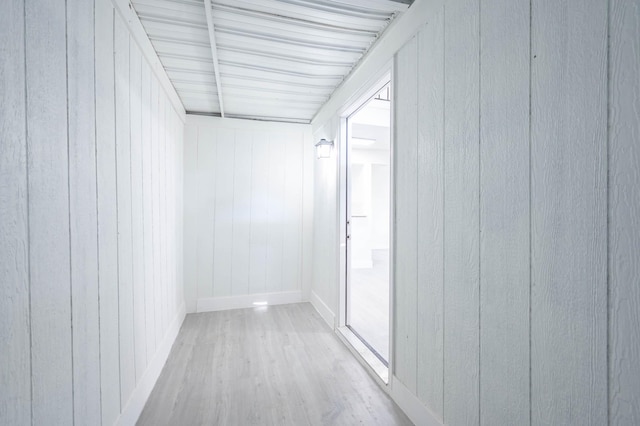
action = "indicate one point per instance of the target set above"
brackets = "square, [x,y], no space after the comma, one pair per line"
[276,365]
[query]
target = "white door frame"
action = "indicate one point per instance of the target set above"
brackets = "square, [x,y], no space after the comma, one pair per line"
[368,91]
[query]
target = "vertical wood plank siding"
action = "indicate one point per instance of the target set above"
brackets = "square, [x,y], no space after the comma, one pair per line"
[540,102]
[76,336]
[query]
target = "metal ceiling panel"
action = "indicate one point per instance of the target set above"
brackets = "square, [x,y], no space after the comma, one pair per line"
[278,60]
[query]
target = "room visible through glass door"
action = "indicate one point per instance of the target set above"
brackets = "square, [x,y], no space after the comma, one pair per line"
[368,222]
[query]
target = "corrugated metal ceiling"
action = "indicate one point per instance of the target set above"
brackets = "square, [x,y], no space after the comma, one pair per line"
[277,59]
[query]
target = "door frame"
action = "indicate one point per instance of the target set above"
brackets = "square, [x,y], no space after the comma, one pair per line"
[358,101]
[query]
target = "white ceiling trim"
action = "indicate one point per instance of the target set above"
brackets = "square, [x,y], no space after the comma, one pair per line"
[214,52]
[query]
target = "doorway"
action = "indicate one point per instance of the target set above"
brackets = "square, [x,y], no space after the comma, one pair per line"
[368,223]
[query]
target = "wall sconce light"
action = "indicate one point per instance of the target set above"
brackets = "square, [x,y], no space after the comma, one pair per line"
[324,148]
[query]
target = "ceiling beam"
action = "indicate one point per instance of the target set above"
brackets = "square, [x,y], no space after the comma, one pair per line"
[214,52]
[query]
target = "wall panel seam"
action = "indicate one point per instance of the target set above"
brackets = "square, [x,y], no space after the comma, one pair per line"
[215,211]
[197,211]
[142,200]
[28,204]
[233,201]
[417,141]
[479,211]
[66,55]
[530,208]
[608,207]
[267,214]
[115,147]
[95,135]
[133,297]
[444,148]
[250,210]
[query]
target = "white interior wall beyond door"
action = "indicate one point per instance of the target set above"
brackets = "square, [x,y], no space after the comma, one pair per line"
[244,202]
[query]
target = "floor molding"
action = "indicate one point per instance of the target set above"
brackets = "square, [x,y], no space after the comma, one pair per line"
[212,304]
[411,405]
[322,308]
[136,403]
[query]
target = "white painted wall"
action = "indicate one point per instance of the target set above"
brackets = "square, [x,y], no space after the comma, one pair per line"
[517,250]
[244,198]
[90,215]
[326,249]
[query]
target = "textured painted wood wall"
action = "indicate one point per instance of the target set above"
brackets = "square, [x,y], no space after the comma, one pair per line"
[107,212]
[624,212]
[48,214]
[77,280]
[83,212]
[504,212]
[15,318]
[430,221]
[139,145]
[569,212]
[405,213]
[527,276]
[461,212]
[244,207]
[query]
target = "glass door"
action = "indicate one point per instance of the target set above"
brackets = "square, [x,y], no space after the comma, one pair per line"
[368,222]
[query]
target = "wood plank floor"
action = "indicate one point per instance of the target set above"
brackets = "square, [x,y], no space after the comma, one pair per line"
[276,365]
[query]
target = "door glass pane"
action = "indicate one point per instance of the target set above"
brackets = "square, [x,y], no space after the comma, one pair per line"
[369,182]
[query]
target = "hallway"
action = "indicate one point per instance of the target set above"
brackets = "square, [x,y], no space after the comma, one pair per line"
[271,365]
[177,212]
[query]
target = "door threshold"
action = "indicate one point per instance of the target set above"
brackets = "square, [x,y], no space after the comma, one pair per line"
[365,355]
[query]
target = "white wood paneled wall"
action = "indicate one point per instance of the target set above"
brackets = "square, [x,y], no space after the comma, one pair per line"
[326,223]
[569,212]
[406,212]
[90,162]
[15,317]
[504,212]
[244,186]
[430,211]
[517,171]
[140,211]
[624,212]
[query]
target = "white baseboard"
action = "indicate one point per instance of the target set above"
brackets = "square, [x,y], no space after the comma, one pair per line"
[212,304]
[411,405]
[322,308]
[136,403]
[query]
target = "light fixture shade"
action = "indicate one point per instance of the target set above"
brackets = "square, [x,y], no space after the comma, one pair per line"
[324,148]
